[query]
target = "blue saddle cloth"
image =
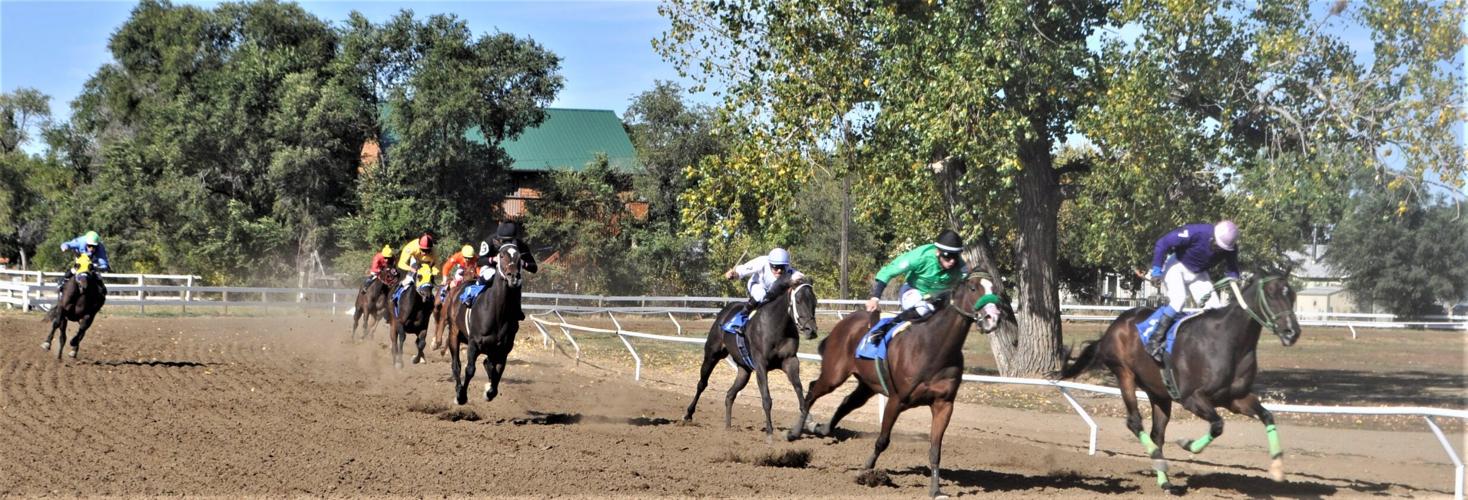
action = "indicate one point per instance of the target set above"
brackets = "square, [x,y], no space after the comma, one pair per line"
[735,327]
[469,293]
[1156,316]
[865,349]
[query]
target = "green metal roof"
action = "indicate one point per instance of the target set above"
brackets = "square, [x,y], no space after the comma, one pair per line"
[568,139]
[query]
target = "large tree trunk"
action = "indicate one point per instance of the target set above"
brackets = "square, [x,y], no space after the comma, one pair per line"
[1038,302]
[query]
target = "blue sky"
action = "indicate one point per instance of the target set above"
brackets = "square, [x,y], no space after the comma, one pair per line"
[605,46]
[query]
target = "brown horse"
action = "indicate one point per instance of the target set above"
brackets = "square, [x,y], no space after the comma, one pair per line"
[412,314]
[372,303]
[444,314]
[773,341]
[1214,361]
[925,365]
[81,297]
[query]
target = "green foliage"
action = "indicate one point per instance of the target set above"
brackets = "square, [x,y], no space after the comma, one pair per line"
[1410,262]
[439,86]
[670,136]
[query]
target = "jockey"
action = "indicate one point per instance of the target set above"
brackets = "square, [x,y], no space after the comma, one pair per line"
[769,276]
[90,245]
[928,272]
[415,255]
[458,266]
[1181,260]
[507,232]
[379,263]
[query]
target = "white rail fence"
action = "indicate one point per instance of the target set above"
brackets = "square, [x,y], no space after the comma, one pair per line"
[542,322]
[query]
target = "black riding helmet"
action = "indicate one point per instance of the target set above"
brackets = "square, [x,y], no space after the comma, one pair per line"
[507,231]
[949,242]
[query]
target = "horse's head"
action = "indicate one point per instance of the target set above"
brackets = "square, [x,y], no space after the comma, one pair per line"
[1270,299]
[508,264]
[976,299]
[803,306]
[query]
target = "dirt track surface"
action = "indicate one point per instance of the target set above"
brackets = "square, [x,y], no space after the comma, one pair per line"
[289,406]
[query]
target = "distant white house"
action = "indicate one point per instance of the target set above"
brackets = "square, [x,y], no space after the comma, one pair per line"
[1324,287]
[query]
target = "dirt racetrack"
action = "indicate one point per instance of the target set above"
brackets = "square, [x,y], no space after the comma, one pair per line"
[279,406]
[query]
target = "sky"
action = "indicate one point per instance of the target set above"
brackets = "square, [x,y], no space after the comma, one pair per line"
[606,48]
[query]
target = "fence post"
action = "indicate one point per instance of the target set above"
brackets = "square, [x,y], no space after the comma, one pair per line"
[189,283]
[226,302]
[333,304]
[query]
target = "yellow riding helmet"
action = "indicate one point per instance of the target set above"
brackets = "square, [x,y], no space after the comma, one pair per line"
[467,251]
[387,250]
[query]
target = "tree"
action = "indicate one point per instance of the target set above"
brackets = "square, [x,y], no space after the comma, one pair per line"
[1409,262]
[445,100]
[21,111]
[670,135]
[1203,116]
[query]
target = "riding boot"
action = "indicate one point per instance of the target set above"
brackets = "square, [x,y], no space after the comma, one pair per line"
[905,315]
[1158,337]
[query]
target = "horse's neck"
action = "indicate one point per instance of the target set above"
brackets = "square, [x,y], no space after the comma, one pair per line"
[949,330]
[776,315]
[1238,322]
[499,295]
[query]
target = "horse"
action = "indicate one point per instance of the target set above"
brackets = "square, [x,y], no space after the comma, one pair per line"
[772,343]
[411,314]
[443,313]
[373,302]
[488,327]
[925,366]
[81,297]
[1214,362]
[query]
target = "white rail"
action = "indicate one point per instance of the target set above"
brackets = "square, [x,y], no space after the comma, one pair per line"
[1062,386]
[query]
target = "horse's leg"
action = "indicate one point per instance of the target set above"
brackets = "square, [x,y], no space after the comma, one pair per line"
[1249,405]
[460,394]
[762,378]
[1126,381]
[942,412]
[57,323]
[791,366]
[828,380]
[713,353]
[469,371]
[399,335]
[853,401]
[889,418]
[357,313]
[1204,409]
[494,363]
[61,346]
[422,341]
[740,381]
[81,331]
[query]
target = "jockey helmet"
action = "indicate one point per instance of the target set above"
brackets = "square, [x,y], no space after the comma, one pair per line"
[468,251]
[779,257]
[387,251]
[425,242]
[948,242]
[91,238]
[506,231]
[1226,233]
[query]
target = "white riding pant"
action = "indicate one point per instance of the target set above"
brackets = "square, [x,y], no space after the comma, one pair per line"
[911,298]
[1180,283]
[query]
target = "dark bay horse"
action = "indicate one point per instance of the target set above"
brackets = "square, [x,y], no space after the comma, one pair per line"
[373,303]
[1214,362]
[81,297]
[488,327]
[412,314]
[925,363]
[773,341]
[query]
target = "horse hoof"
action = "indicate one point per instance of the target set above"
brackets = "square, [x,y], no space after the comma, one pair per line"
[939,496]
[1186,444]
[792,435]
[820,429]
[1276,470]
[461,399]
[45,346]
[397,364]
[72,354]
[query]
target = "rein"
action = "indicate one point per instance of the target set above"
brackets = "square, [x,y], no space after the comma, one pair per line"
[1273,317]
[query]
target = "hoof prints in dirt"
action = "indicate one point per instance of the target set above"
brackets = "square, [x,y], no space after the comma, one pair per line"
[539,418]
[444,412]
[795,459]
[874,478]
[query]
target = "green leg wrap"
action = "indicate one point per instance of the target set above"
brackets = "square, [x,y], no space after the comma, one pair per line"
[1147,442]
[1200,443]
[1162,479]
[1274,448]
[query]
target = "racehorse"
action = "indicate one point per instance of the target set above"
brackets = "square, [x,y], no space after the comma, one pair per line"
[373,303]
[444,313]
[1214,362]
[924,365]
[81,297]
[411,314]
[772,343]
[488,327]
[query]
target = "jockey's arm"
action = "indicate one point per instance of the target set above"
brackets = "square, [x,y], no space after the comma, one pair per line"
[527,259]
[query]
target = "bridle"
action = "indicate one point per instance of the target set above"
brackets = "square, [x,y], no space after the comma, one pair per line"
[1273,316]
[500,264]
[795,311]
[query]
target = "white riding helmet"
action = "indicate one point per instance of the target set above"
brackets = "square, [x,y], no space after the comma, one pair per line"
[779,257]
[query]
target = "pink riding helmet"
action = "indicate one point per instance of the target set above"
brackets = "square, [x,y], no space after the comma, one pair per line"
[1226,233]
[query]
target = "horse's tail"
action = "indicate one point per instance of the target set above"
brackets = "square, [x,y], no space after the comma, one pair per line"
[1082,363]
